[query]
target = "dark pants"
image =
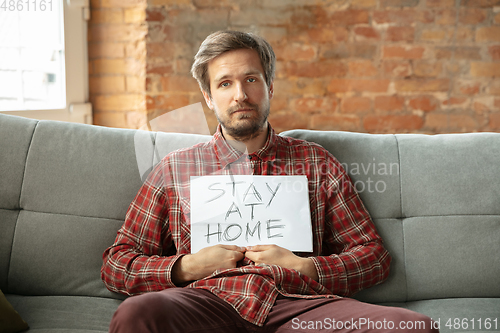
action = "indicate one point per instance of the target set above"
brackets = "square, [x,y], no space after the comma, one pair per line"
[195,310]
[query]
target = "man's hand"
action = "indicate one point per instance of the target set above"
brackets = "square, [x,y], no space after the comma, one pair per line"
[276,255]
[192,267]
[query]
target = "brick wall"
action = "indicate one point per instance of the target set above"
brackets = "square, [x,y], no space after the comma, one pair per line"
[378,66]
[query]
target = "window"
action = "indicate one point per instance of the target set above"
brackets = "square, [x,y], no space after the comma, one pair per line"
[43,59]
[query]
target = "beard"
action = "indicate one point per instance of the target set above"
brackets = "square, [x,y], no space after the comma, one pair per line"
[243,127]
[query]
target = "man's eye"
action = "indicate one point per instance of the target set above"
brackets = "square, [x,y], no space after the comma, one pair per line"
[224,84]
[251,79]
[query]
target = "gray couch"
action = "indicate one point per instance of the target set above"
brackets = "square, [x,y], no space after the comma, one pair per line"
[65,189]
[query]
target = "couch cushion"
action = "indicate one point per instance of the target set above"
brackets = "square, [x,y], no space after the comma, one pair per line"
[81,170]
[15,138]
[450,174]
[372,162]
[452,256]
[48,314]
[56,254]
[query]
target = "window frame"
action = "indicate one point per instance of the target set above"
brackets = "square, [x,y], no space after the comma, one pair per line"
[78,109]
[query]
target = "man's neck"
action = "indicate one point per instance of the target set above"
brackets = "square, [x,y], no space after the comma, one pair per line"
[249,145]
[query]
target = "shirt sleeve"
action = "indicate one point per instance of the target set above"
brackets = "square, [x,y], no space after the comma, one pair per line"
[138,261]
[357,258]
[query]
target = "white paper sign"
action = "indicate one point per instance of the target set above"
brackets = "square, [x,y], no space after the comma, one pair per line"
[249,210]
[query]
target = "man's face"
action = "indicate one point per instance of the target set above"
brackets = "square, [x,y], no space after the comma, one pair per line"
[240,95]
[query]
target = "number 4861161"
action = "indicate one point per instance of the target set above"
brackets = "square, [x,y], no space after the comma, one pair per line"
[26,5]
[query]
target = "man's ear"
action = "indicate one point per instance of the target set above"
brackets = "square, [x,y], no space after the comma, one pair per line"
[271,90]
[208,99]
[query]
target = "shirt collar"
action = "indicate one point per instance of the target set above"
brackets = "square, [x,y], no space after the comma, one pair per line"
[226,154]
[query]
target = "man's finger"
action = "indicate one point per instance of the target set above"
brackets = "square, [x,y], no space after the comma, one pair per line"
[258,248]
[233,247]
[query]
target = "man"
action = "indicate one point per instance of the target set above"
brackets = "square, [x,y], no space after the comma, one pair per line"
[262,288]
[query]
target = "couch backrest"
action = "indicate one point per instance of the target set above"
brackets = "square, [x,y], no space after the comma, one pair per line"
[435,200]
[65,189]
[64,192]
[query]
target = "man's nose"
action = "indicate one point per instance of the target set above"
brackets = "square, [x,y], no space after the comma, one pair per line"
[240,94]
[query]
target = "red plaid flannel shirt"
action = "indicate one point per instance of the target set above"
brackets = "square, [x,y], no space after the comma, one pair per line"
[348,252]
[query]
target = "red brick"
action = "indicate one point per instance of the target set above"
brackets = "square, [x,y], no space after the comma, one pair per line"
[389,103]
[403,52]
[494,88]
[481,3]
[424,103]
[392,123]
[366,33]
[358,85]
[435,35]
[107,84]
[349,17]
[494,52]
[427,69]
[161,68]
[116,32]
[317,69]
[273,35]
[179,83]
[122,3]
[465,34]
[494,121]
[306,16]
[400,34]
[397,68]
[167,101]
[472,16]
[485,69]
[440,3]
[155,14]
[279,103]
[466,87]
[399,3]
[119,102]
[396,16]
[458,53]
[362,68]
[135,84]
[451,122]
[497,18]
[455,101]
[488,34]
[297,52]
[106,50]
[317,34]
[356,105]
[109,119]
[336,122]
[265,16]
[446,16]
[364,3]
[106,15]
[312,104]
[282,121]
[307,86]
[211,3]
[422,85]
